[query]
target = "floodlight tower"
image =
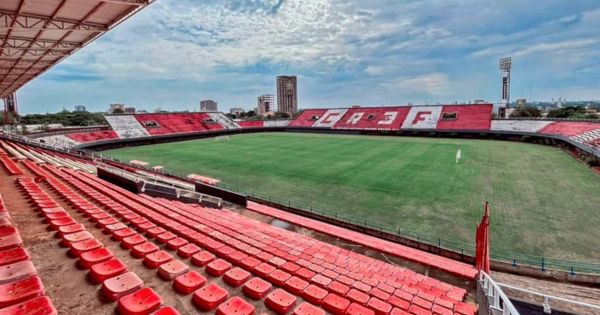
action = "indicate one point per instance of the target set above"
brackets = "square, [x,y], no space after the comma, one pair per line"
[505,67]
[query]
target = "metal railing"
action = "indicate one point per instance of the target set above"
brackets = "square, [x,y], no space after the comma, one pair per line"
[491,298]
[547,300]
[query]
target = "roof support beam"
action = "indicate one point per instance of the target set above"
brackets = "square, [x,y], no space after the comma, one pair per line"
[128,2]
[14,20]
[37,44]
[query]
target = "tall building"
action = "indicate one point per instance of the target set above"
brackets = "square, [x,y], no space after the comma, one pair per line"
[287,94]
[208,106]
[265,104]
[80,108]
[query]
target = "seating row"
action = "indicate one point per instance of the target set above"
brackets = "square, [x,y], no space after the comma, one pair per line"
[256,259]
[118,284]
[10,166]
[21,290]
[206,297]
[94,136]
[160,124]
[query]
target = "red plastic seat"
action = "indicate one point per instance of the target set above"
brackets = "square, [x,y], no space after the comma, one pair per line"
[121,285]
[314,294]
[112,228]
[108,269]
[132,240]
[141,250]
[18,270]
[119,235]
[189,282]
[87,259]
[153,232]
[280,301]
[335,304]
[102,223]
[84,246]
[69,239]
[188,250]
[357,309]
[172,269]
[38,306]
[145,226]
[13,255]
[278,277]
[209,297]
[19,291]
[256,288]
[338,288]
[295,285]
[263,270]
[141,302]
[217,267]
[175,243]
[72,228]
[165,237]
[357,296]
[235,306]
[10,241]
[236,276]
[202,258]
[156,259]
[306,308]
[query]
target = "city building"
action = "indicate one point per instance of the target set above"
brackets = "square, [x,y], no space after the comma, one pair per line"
[521,102]
[265,104]
[208,106]
[237,111]
[129,110]
[80,108]
[287,94]
[116,109]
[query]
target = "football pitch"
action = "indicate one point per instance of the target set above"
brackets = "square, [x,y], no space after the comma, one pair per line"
[543,202]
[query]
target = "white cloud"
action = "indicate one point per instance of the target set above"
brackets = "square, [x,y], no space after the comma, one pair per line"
[434,84]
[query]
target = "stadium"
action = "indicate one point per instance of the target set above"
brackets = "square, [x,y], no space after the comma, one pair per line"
[412,209]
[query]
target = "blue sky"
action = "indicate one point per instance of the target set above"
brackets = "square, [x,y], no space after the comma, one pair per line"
[376,52]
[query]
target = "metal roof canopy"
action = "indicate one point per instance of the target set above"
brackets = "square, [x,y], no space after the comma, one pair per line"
[35,35]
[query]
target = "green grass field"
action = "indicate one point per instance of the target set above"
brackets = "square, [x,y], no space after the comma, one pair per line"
[543,201]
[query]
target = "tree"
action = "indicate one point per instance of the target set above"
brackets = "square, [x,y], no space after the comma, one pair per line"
[526,111]
[571,112]
[282,115]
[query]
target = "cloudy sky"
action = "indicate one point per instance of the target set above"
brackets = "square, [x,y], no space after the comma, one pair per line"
[345,52]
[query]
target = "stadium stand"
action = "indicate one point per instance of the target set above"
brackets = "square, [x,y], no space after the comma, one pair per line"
[274,267]
[126,126]
[389,118]
[465,117]
[93,136]
[59,141]
[307,117]
[160,124]
[330,118]
[519,125]
[277,123]
[422,117]
[223,120]
[569,129]
[251,123]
